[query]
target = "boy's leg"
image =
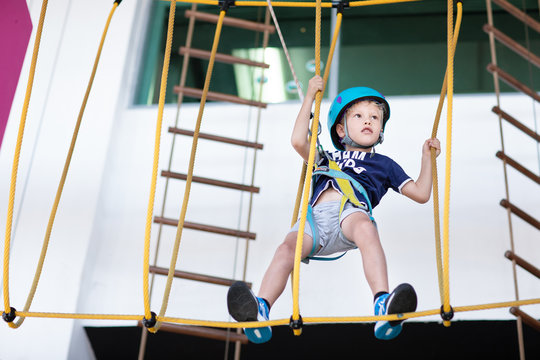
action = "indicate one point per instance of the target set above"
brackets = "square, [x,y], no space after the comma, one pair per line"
[245,306]
[358,228]
[276,276]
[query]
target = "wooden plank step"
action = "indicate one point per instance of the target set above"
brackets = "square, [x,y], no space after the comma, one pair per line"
[195,277]
[523,263]
[211,95]
[518,14]
[522,169]
[527,319]
[513,82]
[229,21]
[224,58]
[520,213]
[513,45]
[516,123]
[207,181]
[227,140]
[207,228]
[201,331]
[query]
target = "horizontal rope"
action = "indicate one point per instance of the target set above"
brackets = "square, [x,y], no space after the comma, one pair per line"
[296,4]
[253,324]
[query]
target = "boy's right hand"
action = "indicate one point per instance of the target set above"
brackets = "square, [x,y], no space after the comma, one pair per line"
[315,84]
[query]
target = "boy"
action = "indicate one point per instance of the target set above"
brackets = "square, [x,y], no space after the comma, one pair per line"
[356,122]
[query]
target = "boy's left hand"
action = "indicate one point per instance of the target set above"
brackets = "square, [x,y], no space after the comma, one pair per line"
[432,143]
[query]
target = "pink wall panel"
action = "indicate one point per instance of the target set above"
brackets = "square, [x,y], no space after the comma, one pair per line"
[15,31]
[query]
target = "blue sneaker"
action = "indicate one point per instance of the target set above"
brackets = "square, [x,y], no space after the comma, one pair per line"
[401,300]
[245,306]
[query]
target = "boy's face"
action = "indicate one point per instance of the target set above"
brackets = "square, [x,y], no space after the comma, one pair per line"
[364,123]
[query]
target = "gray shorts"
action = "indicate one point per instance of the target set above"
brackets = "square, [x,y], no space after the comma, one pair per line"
[326,217]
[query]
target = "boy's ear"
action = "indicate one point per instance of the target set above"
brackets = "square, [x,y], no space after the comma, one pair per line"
[340,130]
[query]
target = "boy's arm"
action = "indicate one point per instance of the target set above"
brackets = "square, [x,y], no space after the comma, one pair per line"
[299,138]
[420,190]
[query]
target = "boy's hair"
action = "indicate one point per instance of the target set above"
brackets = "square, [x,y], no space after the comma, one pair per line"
[372,101]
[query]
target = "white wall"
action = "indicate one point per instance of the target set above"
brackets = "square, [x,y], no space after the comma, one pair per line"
[94,263]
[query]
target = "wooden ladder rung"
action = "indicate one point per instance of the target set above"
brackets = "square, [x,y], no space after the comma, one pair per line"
[193,276]
[527,319]
[211,95]
[207,228]
[201,331]
[520,213]
[513,45]
[224,58]
[207,181]
[513,82]
[523,263]
[227,140]
[518,14]
[522,169]
[516,123]
[229,21]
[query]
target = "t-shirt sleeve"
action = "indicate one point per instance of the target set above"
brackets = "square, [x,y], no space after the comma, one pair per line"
[397,177]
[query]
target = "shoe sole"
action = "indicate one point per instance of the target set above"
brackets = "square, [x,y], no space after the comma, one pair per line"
[402,300]
[241,302]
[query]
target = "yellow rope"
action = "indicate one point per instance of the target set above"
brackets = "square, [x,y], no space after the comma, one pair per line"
[434,163]
[278,322]
[150,210]
[189,178]
[60,188]
[15,166]
[446,214]
[297,4]
[309,172]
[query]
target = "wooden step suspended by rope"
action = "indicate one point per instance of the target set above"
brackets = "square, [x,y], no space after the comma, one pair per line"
[527,319]
[195,277]
[206,228]
[520,213]
[204,332]
[522,169]
[513,82]
[216,96]
[523,263]
[516,123]
[222,139]
[208,181]
[518,14]
[223,58]
[513,45]
[230,21]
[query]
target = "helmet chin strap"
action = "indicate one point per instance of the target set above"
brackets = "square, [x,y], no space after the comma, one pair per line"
[348,141]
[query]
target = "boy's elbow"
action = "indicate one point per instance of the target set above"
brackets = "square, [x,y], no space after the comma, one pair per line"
[423,198]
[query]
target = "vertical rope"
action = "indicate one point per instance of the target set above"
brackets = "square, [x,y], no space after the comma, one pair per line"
[16,157]
[189,178]
[182,81]
[446,215]
[505,174]
[58,196]
[150,210]
[311,159]
[436,216]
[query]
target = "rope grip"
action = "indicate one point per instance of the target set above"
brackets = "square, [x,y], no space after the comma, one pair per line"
[296,324]
[226,4]
[447,316]
[9,317]
[340,5]
[117,1]
[150,323]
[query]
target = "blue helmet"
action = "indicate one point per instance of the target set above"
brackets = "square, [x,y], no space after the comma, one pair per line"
[342,101]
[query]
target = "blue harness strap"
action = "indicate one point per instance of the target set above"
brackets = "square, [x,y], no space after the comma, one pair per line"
[346,184]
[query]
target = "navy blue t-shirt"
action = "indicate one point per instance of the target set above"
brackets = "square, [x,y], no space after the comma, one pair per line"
[376,173]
